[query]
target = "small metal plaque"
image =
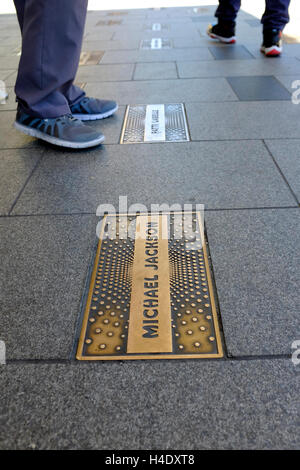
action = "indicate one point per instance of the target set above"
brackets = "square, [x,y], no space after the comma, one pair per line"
[156,27]
[156,44]
[200,10]
[151,294]
[108,23]
[81,85]
[155,123]
[91,58]
[117,13]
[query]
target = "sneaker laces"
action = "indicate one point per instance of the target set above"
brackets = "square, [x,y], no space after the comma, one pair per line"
[68,117]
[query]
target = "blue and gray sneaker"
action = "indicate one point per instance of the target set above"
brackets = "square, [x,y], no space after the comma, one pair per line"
[90,109]
[64,131]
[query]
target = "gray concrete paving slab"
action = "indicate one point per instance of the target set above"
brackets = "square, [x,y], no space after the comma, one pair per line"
[10,62]
[256,276]
[126,16]
[172,91]
[224,68]
[14,41]
[15,168]
[217,174]
[180,31]
[155,71]
[106,73]
[258,88]
[10,80]
[10,103]
[181,42]
[207,19]
[171,20]
[104,35]
[291,83]
[159,15]
[243,120]
[287,156]
[137,28]
[126,44]
[9,137]
[173,405]
[44,262]
[5,50]
[169,55]
[12,31]
[108,25]
[232,52]
[5,74]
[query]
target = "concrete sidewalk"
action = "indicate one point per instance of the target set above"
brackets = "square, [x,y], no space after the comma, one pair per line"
[243,163]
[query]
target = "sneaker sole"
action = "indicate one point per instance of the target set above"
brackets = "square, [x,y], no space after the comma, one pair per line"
[54,140]
[271,51]
[231,40]
[94,117]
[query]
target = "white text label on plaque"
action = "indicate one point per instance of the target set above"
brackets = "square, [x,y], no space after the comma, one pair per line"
[155,125]
[156,27]
[156,43]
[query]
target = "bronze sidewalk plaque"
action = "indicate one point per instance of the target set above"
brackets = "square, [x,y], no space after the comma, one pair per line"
[151,294]
[90,57]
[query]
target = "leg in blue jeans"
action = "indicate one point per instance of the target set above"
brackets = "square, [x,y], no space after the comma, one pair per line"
[52,33]
[275,16]
[228,10]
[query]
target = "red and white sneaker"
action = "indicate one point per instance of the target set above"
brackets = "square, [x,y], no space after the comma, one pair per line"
[223,32]
[272,43]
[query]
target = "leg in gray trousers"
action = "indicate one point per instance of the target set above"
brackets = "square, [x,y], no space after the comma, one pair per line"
[52,32]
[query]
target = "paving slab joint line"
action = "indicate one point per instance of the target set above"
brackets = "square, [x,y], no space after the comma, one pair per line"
[279,82]
[49,214]
[177,71]
[187,124]
[280,171]
[70,214]
[26,182]
[74,361]
[226,78]
[133,71]
[209,140]
[18,148]
[257,357]
[250,208]
[10,75]
[38,361]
